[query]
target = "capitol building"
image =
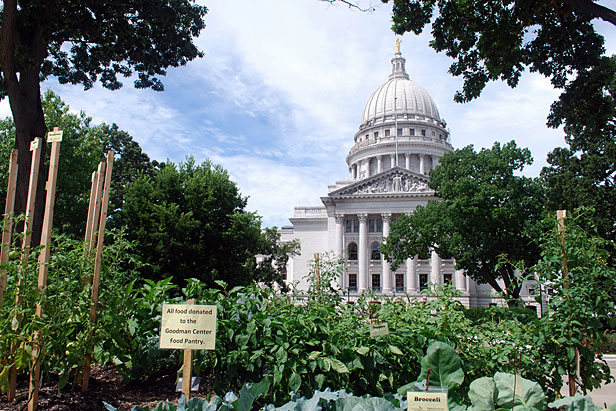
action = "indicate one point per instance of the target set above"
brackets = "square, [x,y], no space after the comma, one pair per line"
[401,137]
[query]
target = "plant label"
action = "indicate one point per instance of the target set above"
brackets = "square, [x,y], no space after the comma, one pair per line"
[379,329]
[427,401]
[54,136]
[34,144]
[188,326]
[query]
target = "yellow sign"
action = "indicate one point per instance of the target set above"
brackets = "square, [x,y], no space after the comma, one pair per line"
[34,144]
[427,401]
[379,329]
[54,136]
[188,326]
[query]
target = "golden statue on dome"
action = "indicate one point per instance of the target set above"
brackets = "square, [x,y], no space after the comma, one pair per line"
[397,45]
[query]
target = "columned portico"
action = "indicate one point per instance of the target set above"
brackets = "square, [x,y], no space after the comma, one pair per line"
[362,255]
[387,280]
[422,164]
[379,163]
[411,275]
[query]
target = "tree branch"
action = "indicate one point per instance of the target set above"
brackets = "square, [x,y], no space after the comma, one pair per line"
[597,10]
[350,4]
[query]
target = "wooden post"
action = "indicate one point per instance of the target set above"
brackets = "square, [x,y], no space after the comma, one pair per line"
[187,368]
[7,227]
[94,221]
[35,147]
[97,264]
[43,261]
[561,215]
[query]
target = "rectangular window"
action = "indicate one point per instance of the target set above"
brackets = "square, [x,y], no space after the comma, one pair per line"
[423,281]
[352,282]
[399,283]
[386,133]
[356,226]
[399,131]
[376,134]
[376,282]
[349,226]
[448,279]
[371,226]
[423,133]
[412,131]
[379,226]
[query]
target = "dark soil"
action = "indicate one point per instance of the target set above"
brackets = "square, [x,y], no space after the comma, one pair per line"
[105,384]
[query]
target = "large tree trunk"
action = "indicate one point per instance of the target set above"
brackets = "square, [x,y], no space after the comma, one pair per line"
[23,89]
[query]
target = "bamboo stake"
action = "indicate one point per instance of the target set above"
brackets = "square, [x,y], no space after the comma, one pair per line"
[561,215]
[43,262]
[91,204]
[187,368]
[35,147]
[7,227]
[97,264]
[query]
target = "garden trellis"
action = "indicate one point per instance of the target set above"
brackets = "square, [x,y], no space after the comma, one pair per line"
[95,231]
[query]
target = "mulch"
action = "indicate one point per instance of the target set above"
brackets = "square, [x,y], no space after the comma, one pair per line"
[105,384]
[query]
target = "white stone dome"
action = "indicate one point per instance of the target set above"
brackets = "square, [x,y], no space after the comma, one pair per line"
[409,98]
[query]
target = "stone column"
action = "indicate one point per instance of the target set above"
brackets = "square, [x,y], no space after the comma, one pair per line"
[362,257]
[411,275]
[461,281]
[422,164]
[339,233]
[407,158]
[392,161]
[353,171]
[435,268]
[379,164]
[387,280]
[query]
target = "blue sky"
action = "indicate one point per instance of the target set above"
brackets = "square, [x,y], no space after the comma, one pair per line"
[279,95]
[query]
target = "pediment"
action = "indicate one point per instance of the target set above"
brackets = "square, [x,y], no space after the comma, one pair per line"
[393,181]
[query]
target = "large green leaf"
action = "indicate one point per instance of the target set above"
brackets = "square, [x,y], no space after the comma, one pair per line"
[532,396]
[364,404]
[445,366]
[249,393]
[482,393]
[578,402]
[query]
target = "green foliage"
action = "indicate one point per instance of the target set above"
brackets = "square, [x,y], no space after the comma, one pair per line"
[582,301]
[190,221]
[480,314]
[486,211]
[65,327]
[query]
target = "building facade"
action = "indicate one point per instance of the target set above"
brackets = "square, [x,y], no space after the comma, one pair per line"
[401,138]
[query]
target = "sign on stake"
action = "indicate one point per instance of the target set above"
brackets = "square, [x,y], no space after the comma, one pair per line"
[43,262]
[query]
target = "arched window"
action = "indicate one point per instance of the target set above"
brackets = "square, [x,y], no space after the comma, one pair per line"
[375,253]
[352,251]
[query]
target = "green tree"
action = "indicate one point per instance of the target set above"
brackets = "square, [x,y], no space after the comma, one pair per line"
[486,211]
[80,42]
[83,146]
[190,222]
[585,173]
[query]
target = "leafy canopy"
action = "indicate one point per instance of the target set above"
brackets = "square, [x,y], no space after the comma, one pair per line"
[486,211]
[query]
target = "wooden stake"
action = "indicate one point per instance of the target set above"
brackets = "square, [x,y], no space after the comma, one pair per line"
[561,215]
[97,206]
[97,264]
[35,147]
[43,271]
[187,368]
[7,227]
[91,204]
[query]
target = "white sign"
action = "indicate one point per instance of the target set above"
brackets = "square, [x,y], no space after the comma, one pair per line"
[186,326]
